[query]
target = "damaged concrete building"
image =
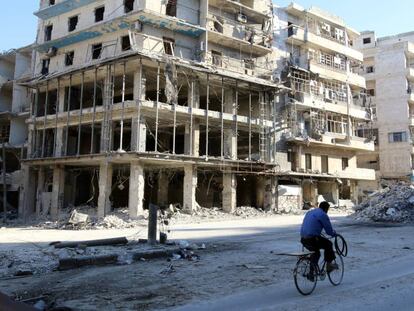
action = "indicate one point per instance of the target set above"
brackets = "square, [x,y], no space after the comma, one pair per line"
[326,117]
[138,102]
[15,98]
[389,72]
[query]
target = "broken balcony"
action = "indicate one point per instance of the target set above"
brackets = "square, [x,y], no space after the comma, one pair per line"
[300,36]
[249,39]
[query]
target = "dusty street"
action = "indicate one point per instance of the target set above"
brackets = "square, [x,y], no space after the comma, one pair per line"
[238,270]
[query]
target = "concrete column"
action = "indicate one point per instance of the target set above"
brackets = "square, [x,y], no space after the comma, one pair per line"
[139,128]
[194,133]
[59,142]
[230,137]
[163,186]
[195,138]
[139,135]
[105,186]
[270,195]
[140,82]
[58,191]
[40,190]
[27,193]
[190,186]
[229,192]
[136,190]
[60,130]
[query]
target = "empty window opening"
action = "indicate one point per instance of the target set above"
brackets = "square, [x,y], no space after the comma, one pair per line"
[48,32]
[51,2]
[171,9]
[345,163]
[308,161]
[371,92]
[97,51]
[217,58]
[370,69]
[69,58]
[99,14]
[169,45]
[73,23]
[367,40]
[45,66]
[128,5]
[5,131]
[324,164]
[125,43]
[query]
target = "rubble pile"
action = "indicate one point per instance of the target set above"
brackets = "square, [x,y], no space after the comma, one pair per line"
[395,203]
[175,213]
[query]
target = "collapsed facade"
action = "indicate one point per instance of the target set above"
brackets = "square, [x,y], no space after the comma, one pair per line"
[327,115]
[389,72]
[15,98]
[196,102]
[139,102]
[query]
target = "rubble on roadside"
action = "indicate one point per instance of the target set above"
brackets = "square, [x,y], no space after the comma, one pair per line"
[394,203]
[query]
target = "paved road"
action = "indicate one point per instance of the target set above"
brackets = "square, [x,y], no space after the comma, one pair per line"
[382,281]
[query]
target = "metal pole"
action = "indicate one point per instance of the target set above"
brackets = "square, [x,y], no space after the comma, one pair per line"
[250,123]
[56,116]
[94,110]
[121,139]
[4,182]
[80,112]
[157,112]
[45,119]
[207,109]
[68,115]
[191,115]
[222,119]
[35,121]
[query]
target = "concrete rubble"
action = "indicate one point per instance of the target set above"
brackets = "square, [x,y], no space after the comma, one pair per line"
[394,203]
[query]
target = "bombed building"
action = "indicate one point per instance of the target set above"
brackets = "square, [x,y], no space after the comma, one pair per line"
[138,102]
[327,115]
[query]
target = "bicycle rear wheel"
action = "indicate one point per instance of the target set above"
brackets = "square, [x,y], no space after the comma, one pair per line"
[305,275]
[336,276]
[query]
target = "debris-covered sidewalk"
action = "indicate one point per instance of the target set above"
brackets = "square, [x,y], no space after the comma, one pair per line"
[394,203]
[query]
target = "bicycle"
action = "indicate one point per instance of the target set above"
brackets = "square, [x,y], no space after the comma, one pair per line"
[306,274]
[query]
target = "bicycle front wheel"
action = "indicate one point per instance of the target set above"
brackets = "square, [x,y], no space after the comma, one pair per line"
[336,276]
[305,276]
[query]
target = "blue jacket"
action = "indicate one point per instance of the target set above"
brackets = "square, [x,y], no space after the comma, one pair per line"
[315,220]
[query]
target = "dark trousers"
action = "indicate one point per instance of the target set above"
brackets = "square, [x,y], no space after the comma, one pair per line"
[315,244]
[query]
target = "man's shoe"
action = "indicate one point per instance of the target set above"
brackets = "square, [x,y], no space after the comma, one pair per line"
[331,266]
[311,276]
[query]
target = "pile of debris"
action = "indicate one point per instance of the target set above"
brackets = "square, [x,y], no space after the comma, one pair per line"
[394,203]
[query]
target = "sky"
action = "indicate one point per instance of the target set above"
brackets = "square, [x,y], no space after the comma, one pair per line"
[386,17]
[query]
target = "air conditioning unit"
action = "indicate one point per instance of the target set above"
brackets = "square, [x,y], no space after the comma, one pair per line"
[326,27]
[249,72]
[241,18]
[137,26]
[51,52]
[328,94]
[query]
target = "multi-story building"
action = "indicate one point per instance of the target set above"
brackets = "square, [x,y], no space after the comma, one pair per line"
[139,102]
[326,117]
[389,72]
[15,68]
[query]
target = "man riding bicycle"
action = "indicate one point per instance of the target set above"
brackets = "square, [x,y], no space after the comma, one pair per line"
[315,220]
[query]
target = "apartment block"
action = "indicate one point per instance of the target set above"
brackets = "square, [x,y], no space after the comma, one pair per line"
[326,116]
[139,102]
[15,98]
[389,71]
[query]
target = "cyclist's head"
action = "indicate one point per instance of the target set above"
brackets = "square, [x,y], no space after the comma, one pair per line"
[324,206]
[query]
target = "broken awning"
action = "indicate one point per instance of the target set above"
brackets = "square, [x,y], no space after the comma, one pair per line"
[61,8]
